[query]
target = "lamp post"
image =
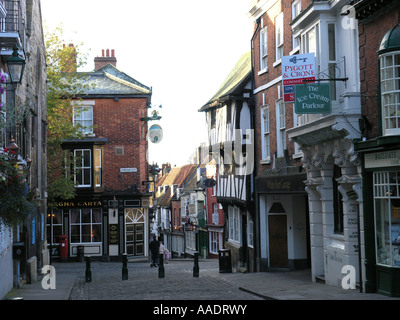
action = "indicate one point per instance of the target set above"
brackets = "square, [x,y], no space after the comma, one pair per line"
[16,66]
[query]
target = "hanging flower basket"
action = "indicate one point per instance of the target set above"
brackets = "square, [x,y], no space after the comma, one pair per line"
[16,202]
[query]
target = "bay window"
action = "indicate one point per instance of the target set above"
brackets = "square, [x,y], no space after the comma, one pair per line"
[390,92]
[83,167]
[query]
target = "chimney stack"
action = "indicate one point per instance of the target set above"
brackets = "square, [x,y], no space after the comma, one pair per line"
[69,64]
[100,62]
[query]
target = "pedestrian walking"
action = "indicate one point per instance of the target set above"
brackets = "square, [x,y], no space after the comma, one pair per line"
[166,255]
[163,251]
[154,251]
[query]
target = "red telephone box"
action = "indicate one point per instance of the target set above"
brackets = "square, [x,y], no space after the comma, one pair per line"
[63,247]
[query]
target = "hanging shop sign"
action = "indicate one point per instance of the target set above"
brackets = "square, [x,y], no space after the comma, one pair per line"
[313,98]
[155,133]
[296,69]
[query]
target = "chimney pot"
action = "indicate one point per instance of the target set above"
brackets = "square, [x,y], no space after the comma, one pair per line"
[102,52]
[112,53]
[108,52]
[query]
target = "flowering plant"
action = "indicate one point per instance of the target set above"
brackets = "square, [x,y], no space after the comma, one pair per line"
[16,202]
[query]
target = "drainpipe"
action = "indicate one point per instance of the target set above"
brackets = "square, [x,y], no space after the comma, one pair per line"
[255,197]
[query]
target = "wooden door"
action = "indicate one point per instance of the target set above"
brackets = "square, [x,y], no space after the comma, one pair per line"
[278,246]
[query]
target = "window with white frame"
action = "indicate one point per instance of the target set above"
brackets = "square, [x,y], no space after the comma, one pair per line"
[266,148]
[214,241]
[250,230]
[85,225]
[296,9]
[190,237]
[83,167]
[263,49]
[54,226]
[310,44]
[83,117]
[387,217]
[234,224]
[310,41]
[279,36]
[282,127]
[332,58]
[390,92]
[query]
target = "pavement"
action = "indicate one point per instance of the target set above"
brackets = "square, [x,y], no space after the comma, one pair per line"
[178,283]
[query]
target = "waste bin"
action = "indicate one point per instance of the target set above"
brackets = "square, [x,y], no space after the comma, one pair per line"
[225,261]
[80,253]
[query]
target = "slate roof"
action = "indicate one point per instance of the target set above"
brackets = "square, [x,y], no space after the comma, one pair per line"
[233,82]
[111,81]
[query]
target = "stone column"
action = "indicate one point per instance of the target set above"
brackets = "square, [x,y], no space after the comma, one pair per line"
[316,232]
[349,181]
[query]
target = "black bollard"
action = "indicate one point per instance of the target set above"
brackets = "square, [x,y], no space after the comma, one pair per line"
[196,265]
[124,267]
[88,273]
[161,266]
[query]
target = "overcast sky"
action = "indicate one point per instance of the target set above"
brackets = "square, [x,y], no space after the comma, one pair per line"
[183,49]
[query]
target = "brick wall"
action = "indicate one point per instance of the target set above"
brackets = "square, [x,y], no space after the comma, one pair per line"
[119,122]
[273,92]
[370,36]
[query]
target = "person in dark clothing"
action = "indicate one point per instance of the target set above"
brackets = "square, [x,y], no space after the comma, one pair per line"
[154,251]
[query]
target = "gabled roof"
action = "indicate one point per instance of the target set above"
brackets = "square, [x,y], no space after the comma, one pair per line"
[111,81]
[177,176]
[240,73]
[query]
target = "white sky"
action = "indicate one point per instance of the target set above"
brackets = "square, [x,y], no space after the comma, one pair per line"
[183,49]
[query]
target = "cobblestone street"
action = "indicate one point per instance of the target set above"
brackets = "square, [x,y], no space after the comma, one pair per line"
[143,283]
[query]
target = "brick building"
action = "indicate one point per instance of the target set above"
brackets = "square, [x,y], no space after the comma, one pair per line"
[308,182]
[110,214]
[379,53]
[279,178]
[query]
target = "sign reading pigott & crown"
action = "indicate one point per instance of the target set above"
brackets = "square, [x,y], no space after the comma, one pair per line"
[312,98]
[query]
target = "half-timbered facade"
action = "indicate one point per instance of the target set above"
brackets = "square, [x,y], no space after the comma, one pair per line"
[230,129]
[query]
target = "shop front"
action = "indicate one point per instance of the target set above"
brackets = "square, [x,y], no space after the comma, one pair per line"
[284,227]
[382,216]
[104,229]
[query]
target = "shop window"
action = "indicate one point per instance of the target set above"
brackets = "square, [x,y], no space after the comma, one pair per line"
[387,217]
[85,225]
[54,226]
